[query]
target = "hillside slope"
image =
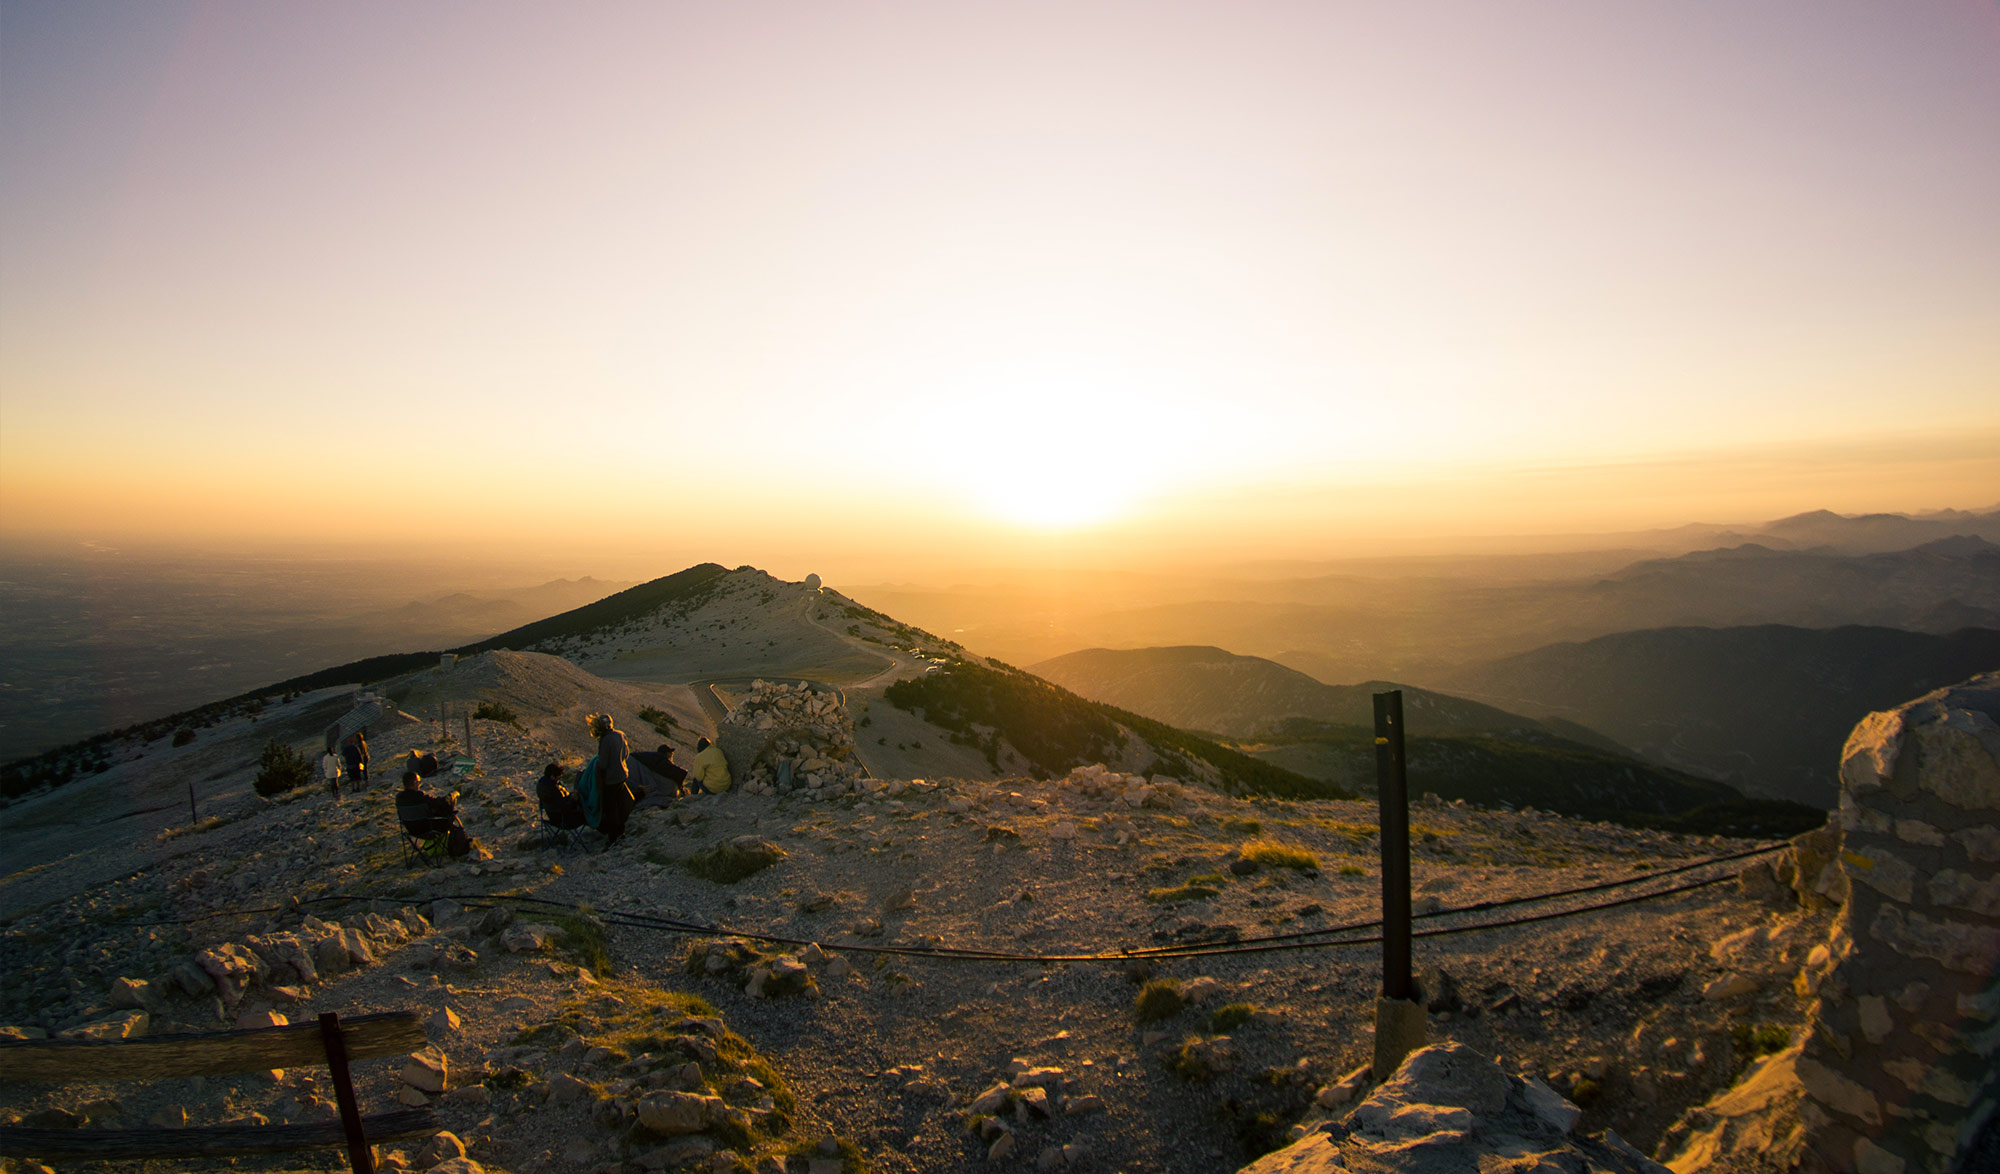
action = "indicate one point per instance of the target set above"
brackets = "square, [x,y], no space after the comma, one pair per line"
[1765,707]
[1201,687]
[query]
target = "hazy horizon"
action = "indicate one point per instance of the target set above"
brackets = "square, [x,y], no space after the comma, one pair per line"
[1004,284]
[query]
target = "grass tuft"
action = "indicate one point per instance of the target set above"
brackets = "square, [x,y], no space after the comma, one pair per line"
[1157,1000]
[1272,854]
[1230,1016]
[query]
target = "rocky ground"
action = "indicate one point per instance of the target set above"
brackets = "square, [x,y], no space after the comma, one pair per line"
[567,1031]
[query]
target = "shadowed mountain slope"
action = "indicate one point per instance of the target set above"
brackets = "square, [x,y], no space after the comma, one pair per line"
[1201,687]
[1459,749]
[1765,707]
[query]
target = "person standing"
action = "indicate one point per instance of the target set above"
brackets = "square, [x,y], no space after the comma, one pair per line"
[329,769]
[615,794]
[354,753]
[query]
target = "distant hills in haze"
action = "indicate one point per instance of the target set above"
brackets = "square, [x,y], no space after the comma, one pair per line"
[1765,707]
[1457,748]
[1416,619]
[1202,687]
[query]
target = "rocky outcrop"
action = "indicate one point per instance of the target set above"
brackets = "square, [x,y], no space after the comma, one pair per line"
[792,739]
[1900,1070]
[1447,1107]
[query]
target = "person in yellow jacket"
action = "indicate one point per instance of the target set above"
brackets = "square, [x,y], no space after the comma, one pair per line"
[711,769]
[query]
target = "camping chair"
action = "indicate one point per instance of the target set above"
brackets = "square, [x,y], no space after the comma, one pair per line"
[428,849]
[562,839]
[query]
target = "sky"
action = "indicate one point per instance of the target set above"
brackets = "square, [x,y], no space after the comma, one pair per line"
[1011,280]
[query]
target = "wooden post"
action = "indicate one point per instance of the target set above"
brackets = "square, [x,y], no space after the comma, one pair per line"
[1399,1017]
[469,751]
[1392,799]
[359,1156]
[194,816]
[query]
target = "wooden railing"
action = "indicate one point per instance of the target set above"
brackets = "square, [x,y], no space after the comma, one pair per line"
[329,1042]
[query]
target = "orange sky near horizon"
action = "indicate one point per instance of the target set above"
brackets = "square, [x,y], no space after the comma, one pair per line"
[1146,280]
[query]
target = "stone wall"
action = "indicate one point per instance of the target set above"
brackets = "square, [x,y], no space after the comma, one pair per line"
[1900,1068]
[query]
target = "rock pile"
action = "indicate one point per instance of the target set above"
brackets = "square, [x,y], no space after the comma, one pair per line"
[1900,1069]
[1018,1107]
[793,739]
[283,964]
[1096,781]
[1446,1108]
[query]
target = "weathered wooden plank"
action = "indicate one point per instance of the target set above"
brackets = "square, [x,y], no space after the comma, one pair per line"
[208,1141]
[218,1053]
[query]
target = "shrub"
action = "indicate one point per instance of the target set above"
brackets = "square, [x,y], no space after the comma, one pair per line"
[725,864]
[183,736]
[1761,1040]
[582,941]
[1157,1000]
[281,769]
[663,723]
[1229,1016]
[490,711]
[1187,892]
[1275,855]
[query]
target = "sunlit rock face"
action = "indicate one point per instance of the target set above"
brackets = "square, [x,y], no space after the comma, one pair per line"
[1450,1110]
[1900,1071]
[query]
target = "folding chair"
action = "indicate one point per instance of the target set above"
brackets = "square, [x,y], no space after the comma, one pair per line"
[427,850]
[562,839]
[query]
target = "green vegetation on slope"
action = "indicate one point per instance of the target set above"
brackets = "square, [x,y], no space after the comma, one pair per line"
[1054,729]
[1553,775]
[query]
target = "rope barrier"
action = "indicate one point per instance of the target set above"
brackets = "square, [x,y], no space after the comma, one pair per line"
[1299,940]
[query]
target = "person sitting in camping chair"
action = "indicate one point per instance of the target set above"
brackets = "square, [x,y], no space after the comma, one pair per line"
[559,806]
[427,818]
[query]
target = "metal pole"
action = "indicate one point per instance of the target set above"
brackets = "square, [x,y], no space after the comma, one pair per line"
[193,815]
[1392,793]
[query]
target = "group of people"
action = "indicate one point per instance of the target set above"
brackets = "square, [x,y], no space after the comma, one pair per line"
[606,789]
[618,779]
[349,764]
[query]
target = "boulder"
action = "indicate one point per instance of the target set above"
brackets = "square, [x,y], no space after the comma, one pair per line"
[135,994]
[670,1112]
[1449,1108]
[426,1071]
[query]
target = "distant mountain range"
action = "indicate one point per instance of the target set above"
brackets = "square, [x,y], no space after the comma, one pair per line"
[1201,687]
[1765,707]
[1457,748]
[1415,619]
[1833,533]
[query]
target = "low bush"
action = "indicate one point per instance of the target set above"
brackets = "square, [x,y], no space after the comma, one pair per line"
[1185,892]
[725,864]
[281,769]
[1230,1016]
[1158,999]
[183,736]
[582,941]
[490,711]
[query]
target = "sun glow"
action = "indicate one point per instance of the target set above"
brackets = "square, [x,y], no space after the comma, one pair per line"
[1062,452]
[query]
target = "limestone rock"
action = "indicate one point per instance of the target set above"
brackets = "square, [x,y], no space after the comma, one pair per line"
[1449,1108]
[135,994]
[123,1025]
[426,1071]
[442,1147]
[670,1112]
[442,1023]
